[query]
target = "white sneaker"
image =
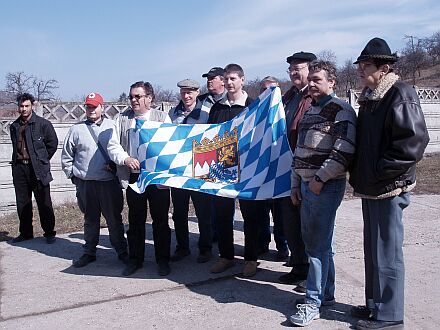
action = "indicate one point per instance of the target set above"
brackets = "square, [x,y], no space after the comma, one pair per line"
[305,315]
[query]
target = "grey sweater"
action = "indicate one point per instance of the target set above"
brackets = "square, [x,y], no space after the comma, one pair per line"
[81,157]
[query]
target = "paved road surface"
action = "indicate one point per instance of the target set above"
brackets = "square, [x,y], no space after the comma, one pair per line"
[41,290]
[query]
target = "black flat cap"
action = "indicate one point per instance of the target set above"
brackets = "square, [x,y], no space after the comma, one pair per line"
[301,56]
[216,71]
[377,48]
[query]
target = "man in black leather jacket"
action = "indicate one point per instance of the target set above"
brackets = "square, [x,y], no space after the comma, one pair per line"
[34,142]
[391,139]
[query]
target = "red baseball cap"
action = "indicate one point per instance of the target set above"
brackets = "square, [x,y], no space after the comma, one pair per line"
[94,99]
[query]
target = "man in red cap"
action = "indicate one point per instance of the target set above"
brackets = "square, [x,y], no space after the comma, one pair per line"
[85,161]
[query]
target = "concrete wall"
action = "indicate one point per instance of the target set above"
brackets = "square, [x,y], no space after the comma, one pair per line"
[63,190]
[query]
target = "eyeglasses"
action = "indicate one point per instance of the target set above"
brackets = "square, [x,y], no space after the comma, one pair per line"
[136,96]
[296,69]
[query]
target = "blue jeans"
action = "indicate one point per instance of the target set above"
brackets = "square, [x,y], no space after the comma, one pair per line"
[318,213]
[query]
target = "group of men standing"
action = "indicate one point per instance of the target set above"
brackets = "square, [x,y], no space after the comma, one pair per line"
[379,148]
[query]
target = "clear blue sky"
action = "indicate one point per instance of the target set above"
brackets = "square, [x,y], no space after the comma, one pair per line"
[105,46]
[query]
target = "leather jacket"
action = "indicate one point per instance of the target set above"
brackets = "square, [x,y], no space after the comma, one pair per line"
[391,139]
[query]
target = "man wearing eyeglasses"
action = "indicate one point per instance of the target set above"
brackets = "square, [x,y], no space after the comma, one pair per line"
[158,199]
[296,102]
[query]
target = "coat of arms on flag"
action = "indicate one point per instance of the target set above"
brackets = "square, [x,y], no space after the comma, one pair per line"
[217,160]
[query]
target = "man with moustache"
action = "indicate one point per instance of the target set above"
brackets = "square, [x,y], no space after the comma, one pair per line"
[34,142]
[84,160]
[324,151]
[296,102]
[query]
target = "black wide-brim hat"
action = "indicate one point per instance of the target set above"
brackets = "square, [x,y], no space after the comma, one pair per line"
[377,48]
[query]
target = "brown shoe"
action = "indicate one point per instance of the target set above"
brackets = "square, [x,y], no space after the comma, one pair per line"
[221,265]
[250,268]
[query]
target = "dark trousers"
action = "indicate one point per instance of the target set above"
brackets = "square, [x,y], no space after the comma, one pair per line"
[292,231]
[106,198]
[224,214]
[251,211]
[26,183]
[264,236]
[159,202]
[225,209]
[202,206]
[383,252]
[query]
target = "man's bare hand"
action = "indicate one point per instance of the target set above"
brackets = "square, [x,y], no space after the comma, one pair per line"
[295,196]
[132,163]
[315,186]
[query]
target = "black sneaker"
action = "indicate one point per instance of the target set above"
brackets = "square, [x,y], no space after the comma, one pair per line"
[376,324]
[204,256]
[20,238]
[131,268]
[301,287]
[123,257]
[362,312]
[50,239]
[163,268]
[282,255]
[262,250]
[291,278]
[84,260]
[180,254]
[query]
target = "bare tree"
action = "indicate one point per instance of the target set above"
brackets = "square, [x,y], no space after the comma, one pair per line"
[327,55]
[20,82]
[432,46]
[347,78]
[165,95]
[44,89]
[413,59]
[252,87]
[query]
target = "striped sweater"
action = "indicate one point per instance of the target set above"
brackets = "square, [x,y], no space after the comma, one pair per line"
[326,141]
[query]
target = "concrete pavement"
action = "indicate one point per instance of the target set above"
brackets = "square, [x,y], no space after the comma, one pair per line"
[40,289]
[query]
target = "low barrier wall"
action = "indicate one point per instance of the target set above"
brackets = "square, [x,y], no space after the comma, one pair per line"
[64,115]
